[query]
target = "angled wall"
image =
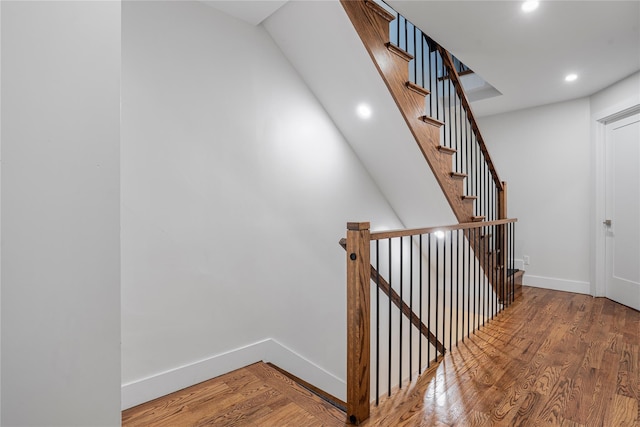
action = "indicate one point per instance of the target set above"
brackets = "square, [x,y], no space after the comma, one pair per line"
[236,187]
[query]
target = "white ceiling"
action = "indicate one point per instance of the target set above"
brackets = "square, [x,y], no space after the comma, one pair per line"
[251,11]
[524,56]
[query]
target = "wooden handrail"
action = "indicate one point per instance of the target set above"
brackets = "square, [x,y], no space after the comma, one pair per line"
[415,231]
[455,78]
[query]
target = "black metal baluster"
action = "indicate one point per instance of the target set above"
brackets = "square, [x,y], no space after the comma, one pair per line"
[401,316]
[478,298]
[377,322]
[457,264]
[406,42]
[468,160]
[437,84]
[455,130]
[444,286]
[513,256]
[479,200]
[415,59]
[430,76]
[467,282]
[411,307]
[389,352]
[420,307]
[437,285]
[449,121]
[450,289]
[428,296]
[494,270]
[487,286]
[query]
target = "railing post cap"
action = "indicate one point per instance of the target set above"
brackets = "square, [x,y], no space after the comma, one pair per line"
[358,226]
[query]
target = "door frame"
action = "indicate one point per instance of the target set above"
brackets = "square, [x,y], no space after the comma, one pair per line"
[598,231]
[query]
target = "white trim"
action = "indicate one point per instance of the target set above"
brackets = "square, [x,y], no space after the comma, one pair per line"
[597,252]
[268,350]
[575,286]
[302,367]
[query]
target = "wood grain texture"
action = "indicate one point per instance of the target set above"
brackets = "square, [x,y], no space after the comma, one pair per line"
[358,321]
[373,30]
[251,396]
[554,358]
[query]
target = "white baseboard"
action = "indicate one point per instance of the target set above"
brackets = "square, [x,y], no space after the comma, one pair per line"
[574,286]
[292,362]
[268,350]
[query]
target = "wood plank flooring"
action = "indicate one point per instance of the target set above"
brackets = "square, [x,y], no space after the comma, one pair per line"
[257,395]
[553,358]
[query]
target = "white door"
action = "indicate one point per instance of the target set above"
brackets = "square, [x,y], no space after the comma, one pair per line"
[623,211]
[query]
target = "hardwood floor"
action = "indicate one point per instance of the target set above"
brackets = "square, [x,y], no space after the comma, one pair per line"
[553,358]
[257,395]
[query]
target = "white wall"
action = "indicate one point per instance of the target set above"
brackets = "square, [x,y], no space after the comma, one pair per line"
[616,97]
[236,187]
[544,154]
[60,213]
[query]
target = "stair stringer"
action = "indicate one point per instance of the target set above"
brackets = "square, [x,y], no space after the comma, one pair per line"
[371,23]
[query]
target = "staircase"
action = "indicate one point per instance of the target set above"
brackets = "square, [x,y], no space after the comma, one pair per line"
[371,21]
[442,123]
[423,80]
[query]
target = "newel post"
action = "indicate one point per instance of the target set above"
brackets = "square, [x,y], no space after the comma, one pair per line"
[358,327]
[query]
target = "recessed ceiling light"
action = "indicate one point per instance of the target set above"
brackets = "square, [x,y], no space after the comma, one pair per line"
[530,6]
[364,111]
[571,77]
[439,234]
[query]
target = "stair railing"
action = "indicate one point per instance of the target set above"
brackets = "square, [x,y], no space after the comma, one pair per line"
[430,290]
[436,70]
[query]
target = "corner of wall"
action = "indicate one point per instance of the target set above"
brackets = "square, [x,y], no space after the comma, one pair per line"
[268,350]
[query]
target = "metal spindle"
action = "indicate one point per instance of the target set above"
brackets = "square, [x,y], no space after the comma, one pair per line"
[450,288]
[444,284]
[411,307]
[455,130]
[420,306]
[377,322]
[429,296]
[389,352]
[401,316]
[437,285]
[436,54]
[415,60]
[449,121]
[457,282]
[468,282]
[430,77]
[478,271]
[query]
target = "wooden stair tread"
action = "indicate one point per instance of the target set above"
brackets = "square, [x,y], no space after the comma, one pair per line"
[417,88]
[469,198]
[447,150]
[477,218]
[458,175]
[430,120]
[376,8]
[399,51]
